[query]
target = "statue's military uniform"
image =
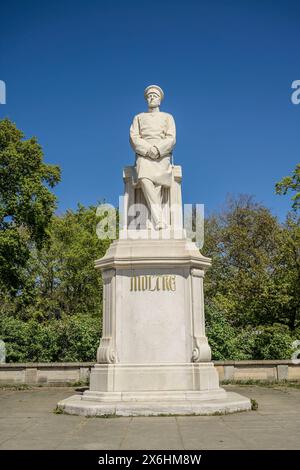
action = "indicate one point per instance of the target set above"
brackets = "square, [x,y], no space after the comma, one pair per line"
[153,129]
[153,137]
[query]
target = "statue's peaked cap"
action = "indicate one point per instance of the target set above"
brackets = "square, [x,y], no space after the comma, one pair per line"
[154,88]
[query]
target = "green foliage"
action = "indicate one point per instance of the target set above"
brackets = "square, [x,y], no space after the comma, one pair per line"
[15,387]
[228,342]
[26,203]
[270,383]
[223,338]
[67,280]
[291,183]
[70,339]
[51,294]
[78,338]
[254,404]
[60,277]
[286,273]
[273,342]
[255,275]
[57,314]
[58,410]
[253,287]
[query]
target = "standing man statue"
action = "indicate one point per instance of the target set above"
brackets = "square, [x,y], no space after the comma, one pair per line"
[153,137]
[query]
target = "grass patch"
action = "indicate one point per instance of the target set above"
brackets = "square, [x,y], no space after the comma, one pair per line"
[81,386]
[15,387]
[58,410]
[105,416]
[254,404]
[79,383]
[295,384]
[264,383]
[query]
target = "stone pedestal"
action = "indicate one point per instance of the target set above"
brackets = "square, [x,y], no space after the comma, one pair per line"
[154,356]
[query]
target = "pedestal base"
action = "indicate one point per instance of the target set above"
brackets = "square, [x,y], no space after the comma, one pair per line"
[154,389]
[152,404]
[157,377]
[153,357]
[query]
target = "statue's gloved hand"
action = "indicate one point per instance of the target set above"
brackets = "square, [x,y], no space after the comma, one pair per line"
[153,153]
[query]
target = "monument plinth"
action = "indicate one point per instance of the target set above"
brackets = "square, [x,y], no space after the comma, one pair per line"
[153,357]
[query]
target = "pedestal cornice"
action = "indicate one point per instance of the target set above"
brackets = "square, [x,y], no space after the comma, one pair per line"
[154,253]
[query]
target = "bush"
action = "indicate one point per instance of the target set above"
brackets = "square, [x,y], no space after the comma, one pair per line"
[229,342]
[273,342]
[78,338]
[14,333]
[70,339]
[222,337]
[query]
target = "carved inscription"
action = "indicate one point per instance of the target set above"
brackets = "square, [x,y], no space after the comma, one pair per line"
[153,283]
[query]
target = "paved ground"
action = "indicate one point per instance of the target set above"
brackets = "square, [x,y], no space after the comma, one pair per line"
[27,421]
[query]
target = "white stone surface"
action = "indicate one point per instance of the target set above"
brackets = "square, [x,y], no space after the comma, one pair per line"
[153,137]
[153,326]
[185,405]
[2,352]
[154,377]
[154,357]
[135,214]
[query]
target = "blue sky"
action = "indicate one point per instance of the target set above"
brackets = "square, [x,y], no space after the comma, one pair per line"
[75,72]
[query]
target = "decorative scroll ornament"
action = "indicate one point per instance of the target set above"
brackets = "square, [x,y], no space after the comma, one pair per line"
[106,354]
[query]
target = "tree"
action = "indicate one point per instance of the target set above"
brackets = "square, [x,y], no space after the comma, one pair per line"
[63,278]
[243,244]
[26,203]
[286,273]
[291,183]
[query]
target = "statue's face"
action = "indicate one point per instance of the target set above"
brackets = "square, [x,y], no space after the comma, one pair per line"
[153,100]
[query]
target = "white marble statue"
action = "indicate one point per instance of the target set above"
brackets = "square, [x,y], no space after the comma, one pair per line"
[153,357]
[153,137]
